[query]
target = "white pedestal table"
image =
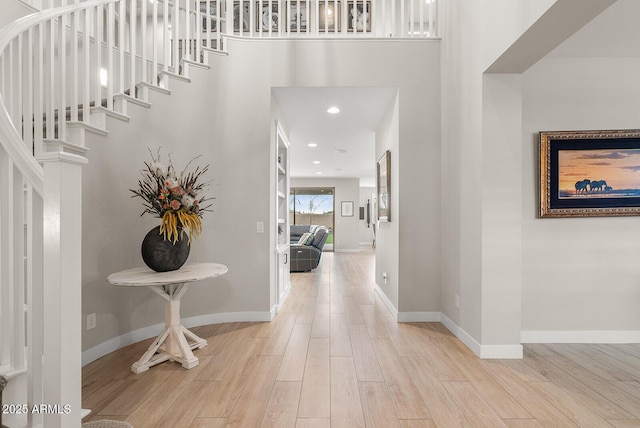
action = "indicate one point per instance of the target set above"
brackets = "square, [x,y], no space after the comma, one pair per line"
[172,343]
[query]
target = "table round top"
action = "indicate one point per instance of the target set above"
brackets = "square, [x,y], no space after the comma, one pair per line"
[143,276]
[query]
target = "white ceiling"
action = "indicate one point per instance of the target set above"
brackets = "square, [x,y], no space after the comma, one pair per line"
[352,130]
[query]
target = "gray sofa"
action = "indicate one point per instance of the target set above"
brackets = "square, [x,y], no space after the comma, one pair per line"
[305,257]
[297,230]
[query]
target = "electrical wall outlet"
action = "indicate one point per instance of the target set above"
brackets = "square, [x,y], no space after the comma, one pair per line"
[91,321]
[456,301]
[260,227]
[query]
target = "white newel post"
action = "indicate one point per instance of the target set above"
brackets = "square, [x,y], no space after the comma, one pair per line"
[62,289]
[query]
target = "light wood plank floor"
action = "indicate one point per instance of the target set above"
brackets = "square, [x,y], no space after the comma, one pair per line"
[333,357]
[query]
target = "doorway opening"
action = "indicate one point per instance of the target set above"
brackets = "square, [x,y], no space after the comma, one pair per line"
[313,206]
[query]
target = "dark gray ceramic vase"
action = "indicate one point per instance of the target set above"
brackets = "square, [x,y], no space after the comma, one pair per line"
[162,255]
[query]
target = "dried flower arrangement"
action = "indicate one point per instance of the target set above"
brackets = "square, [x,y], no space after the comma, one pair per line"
[175,198]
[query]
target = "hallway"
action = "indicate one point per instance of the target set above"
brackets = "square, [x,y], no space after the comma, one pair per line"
[335,357]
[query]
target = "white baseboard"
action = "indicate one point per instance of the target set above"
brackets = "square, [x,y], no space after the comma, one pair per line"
[276,308]
[501,352]
[390,306]
[465,337]
[587,336]
[419,316]
[347,250]
[483,351]
[144,333]
[507,352]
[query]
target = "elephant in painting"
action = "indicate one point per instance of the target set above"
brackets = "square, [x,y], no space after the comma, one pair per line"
[581,186]
[599,185]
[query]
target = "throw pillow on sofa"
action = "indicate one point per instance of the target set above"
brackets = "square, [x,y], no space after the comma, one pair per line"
[304,238]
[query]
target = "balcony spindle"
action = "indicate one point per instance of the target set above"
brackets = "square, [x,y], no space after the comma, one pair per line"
[154,43]
[86,92]
[7,79]
[205,20]
[121,46]
[132,45]
[143,46]
[197,22]
[175,36]
[74,68]
[187,31]
[27,115]
[17,86]
[50,84]
[111,43]
[166,37]
[219,23]
[39,93]
[62,67]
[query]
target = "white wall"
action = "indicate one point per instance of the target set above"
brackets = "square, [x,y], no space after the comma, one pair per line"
[496,253]
[470,44]
[225,115]
[345,236]
[580,275]
[213,125]
[12,10]
[388,232]
[478,121]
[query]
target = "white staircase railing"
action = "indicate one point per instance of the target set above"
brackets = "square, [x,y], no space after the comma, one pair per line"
[63,71]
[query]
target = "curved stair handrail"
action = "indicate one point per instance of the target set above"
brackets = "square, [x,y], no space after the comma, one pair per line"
[50,98]
[10,138]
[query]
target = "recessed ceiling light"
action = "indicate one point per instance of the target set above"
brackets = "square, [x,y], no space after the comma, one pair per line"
[316,162]
[318,173]
[312,145]
[333,110]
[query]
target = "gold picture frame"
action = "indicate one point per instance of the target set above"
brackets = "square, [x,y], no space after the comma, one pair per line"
[589,173]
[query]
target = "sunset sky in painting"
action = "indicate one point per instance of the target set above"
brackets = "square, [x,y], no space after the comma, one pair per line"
[619,168]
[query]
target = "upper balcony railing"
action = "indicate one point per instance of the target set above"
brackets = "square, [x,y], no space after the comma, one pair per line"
[290,18]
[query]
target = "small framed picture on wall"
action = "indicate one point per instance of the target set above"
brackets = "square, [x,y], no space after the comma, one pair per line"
[383,183]
[346,209]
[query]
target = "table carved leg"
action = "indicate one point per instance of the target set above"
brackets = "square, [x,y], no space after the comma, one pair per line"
[171,343]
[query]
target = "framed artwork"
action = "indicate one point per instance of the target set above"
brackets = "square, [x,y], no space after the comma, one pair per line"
[209,20]
[383,184]
[359,16]
[241,14]
[267,18]
[297,16]
[589,173]
[346,208]
[329,17]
